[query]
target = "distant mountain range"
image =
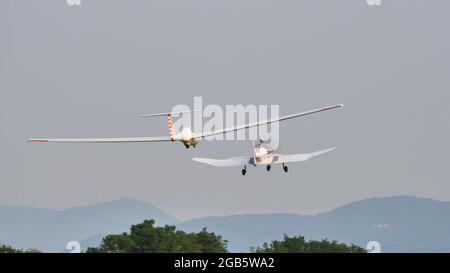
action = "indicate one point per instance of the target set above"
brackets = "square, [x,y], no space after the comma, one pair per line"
[399,224]
[50,230]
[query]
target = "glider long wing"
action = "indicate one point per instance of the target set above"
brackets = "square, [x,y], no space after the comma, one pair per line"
[259,123]
[102,140]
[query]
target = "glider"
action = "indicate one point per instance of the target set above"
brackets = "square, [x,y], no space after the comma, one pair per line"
[186,136]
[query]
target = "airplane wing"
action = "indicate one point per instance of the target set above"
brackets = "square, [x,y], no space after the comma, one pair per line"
[279,158]
[229,162]
[102,140]
[259,123]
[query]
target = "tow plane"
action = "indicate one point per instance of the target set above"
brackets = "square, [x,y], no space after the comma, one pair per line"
[263,154]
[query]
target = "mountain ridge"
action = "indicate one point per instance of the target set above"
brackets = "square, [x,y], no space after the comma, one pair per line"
[400,223]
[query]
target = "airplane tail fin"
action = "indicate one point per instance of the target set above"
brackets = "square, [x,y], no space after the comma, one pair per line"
[170,126]
[169,119]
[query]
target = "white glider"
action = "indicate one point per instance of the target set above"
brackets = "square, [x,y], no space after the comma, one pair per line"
[187,137]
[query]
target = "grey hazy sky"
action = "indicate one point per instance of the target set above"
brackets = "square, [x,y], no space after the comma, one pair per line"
[90,71]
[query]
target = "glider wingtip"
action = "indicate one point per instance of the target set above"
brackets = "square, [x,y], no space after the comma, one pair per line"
[37,140]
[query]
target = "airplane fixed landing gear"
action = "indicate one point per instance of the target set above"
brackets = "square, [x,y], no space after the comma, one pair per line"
[268,167]
[244,170]
[285,168]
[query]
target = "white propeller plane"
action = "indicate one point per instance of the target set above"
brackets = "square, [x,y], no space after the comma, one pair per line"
[263,154]
[186,136]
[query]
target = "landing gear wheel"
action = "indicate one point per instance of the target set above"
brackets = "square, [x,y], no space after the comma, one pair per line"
[244,170]
[268,167]
[285,168]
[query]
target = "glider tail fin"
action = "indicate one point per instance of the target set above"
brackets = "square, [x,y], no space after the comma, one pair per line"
[169,119]
[170,126]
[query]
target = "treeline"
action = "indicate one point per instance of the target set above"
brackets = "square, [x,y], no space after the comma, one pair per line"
[148,238]
[10,249]
[298,244]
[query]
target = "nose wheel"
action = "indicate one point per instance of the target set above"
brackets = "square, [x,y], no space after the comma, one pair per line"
[244,170]
[268,167]
[285,168]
